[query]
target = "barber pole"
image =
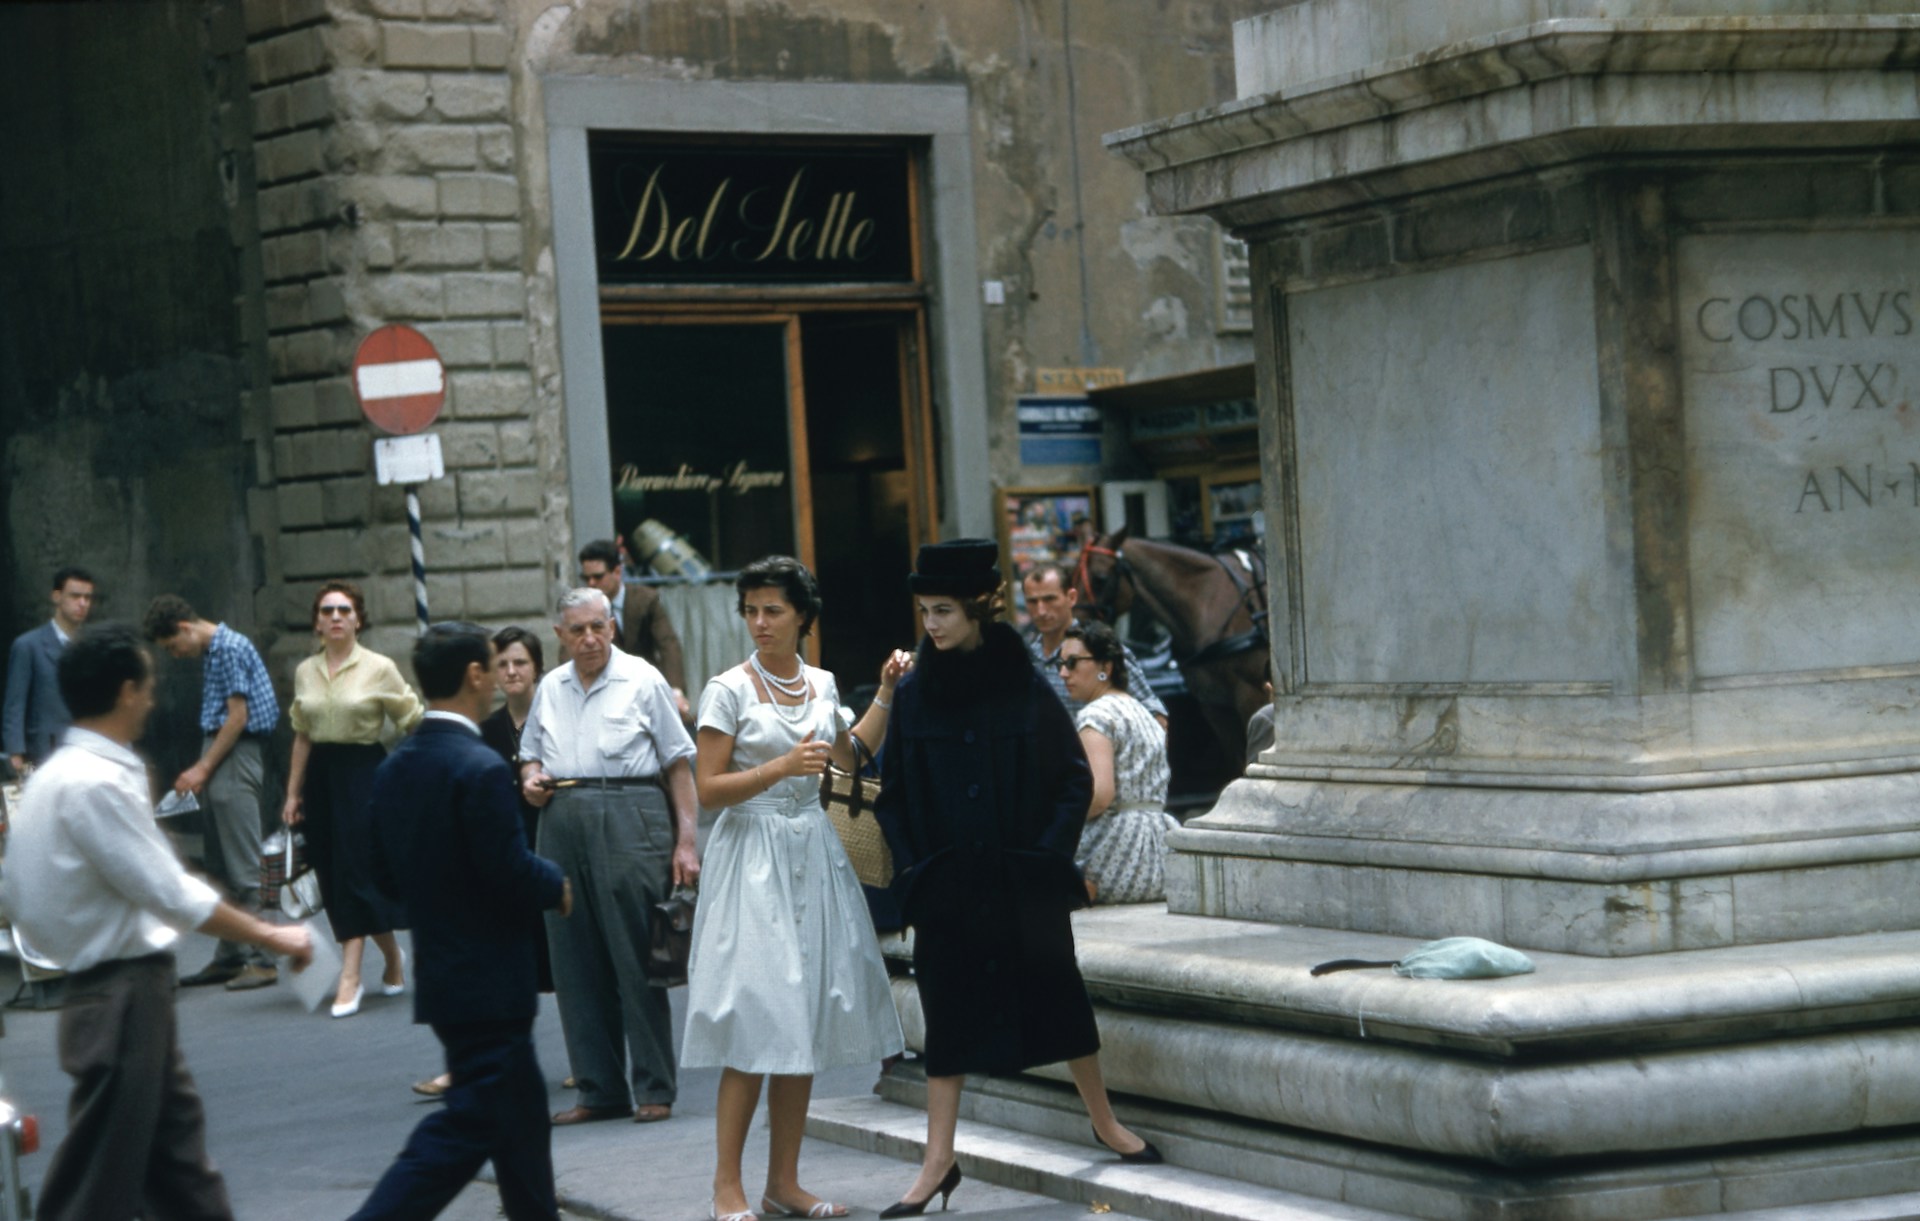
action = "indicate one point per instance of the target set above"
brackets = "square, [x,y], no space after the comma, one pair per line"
[401,384]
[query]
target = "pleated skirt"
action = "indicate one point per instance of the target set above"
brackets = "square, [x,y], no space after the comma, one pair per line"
[339,829]
[786,975]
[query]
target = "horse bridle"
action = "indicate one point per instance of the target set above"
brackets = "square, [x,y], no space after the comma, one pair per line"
[1107,605]
[1253,600]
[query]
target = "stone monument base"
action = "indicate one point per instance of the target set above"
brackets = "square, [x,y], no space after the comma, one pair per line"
[1608,873]
[1595,1089]
[1243,1157]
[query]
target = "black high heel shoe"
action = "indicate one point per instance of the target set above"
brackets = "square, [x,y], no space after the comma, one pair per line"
[1145,1155]
[914,1208]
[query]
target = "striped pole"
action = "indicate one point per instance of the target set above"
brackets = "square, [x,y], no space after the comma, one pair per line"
[419,557]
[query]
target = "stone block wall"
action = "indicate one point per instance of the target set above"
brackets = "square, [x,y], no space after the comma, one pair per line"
[388,193]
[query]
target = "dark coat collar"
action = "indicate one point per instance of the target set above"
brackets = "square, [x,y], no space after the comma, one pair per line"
[999,668]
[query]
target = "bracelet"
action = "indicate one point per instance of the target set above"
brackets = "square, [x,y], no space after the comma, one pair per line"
[887,704]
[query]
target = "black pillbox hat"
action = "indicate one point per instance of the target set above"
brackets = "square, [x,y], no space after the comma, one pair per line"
[962,567]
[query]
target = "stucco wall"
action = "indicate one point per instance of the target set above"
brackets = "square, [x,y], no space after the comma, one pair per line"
[1090,279]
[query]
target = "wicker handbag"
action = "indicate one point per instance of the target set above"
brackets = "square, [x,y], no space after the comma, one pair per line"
[848,797]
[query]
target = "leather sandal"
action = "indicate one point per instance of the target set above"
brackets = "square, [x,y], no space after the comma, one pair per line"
[652,1112]
[574,1115]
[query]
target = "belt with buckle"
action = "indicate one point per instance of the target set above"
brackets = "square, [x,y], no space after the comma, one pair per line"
[607,782]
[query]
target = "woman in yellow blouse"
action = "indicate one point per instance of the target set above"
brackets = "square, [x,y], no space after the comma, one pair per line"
[342,698]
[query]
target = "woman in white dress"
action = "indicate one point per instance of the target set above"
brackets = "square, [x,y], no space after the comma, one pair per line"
[786,978]
[1123,851]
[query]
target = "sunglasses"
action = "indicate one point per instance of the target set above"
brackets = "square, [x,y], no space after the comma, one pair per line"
[331,611]
[1068,663]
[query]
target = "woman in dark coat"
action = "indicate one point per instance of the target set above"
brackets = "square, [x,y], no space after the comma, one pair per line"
[984,790]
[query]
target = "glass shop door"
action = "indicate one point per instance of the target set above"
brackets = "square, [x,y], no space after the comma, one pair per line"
[800,433]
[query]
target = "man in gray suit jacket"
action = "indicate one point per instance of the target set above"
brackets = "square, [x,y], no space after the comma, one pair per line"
[35,716]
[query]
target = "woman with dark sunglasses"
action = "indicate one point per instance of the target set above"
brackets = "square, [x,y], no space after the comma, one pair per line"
[343,698]
[1123,851]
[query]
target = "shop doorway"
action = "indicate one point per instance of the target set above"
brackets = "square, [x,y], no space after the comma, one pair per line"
[800,430]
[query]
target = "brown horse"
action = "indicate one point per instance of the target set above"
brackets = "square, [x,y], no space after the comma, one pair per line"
[1215,608]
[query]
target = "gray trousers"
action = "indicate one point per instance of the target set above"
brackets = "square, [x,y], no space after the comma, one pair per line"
[616,847]
[136,1132]
[231,818]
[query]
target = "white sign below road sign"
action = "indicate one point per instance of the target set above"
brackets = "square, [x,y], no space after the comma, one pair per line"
[410,459]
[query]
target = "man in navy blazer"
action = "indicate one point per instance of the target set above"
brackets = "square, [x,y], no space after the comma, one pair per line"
[34,716]
[451,848]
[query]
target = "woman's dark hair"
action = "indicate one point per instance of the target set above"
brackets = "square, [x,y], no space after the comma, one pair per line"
[443,653]
[790,577]
[985,608]
[94,668]
[1104,647]
[527,640]
[352,594]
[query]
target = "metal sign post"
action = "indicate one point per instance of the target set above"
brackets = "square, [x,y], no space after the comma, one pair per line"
[402,384]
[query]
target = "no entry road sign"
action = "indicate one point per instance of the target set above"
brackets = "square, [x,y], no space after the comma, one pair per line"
[399,380]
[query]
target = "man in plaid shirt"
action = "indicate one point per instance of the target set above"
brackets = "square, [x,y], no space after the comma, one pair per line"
[238,712]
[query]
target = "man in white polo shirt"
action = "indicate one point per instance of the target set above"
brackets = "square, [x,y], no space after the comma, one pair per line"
[93,888]
[605,745]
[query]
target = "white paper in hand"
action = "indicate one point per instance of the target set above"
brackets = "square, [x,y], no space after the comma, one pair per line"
[176,803]
[318,982]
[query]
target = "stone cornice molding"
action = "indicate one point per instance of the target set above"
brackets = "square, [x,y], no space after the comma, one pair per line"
[1533,97]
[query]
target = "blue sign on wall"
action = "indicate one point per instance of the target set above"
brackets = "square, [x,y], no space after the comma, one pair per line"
[1058,431]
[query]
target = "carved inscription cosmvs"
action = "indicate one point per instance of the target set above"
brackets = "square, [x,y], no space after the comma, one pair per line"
[1799,354]
[670,213]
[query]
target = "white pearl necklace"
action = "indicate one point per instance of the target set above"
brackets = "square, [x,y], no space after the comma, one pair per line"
[795,688]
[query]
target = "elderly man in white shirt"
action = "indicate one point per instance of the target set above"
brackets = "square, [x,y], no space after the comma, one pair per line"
[605,745]
[94,889]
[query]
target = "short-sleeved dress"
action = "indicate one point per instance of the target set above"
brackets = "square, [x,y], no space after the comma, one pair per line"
[1124,851]
[786,975]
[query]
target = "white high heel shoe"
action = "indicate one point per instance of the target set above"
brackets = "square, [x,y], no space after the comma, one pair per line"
[351,1007]
[387,989]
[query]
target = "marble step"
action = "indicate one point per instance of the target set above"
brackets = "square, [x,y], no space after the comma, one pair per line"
[1079,1173]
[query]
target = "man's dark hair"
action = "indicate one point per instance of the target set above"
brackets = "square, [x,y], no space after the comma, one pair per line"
[527,640]
[790,577]
[165,614]
[72,572]
[96,665]
[603,549]
[443,653]
[1041,570]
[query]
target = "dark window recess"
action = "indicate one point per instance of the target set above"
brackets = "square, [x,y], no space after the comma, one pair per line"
[858,459]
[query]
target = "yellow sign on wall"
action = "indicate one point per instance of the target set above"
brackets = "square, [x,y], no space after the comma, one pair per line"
[1076,381]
